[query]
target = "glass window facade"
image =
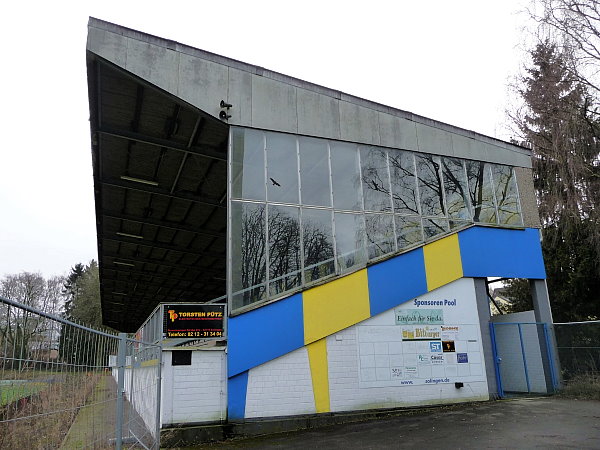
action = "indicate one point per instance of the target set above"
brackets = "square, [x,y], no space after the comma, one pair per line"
[305,209]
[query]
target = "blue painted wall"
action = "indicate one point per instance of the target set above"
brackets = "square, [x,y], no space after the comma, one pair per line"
[236,396]
[396,280]
[264,334]
[497,252]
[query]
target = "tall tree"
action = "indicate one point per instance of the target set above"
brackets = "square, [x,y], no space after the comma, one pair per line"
[558,123]
[574,26]
[79,346]
[70,286]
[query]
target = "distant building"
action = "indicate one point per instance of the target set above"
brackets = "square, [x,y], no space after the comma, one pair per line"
[501,301]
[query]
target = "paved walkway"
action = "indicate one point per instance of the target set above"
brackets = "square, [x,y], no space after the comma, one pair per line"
[522,423]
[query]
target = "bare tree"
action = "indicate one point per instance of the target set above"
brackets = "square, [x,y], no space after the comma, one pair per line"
[22,332]
[574,26]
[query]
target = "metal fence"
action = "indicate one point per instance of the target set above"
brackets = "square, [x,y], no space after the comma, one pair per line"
[66,385]
[578,348]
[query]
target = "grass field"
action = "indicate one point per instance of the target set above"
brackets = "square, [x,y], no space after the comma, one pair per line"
[15,390]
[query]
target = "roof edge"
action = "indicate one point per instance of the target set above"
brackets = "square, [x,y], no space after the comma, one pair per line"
[297,82]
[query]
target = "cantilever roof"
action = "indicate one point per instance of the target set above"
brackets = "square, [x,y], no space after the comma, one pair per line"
[265,99]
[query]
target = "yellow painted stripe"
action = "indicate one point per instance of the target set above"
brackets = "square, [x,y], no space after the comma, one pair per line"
[319,371]
[336,305]
[442,262]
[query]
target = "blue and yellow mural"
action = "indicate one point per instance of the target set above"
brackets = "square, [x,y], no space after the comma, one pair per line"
[307,318]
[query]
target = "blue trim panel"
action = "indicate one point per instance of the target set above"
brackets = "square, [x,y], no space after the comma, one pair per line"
[263,334]
[236,396]
[555,385]
[496,361]
[496,252]
[396,281]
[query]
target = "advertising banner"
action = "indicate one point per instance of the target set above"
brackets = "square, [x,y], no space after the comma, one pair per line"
[198,321]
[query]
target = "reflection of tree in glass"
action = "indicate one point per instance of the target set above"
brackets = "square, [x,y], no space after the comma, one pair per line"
[318,250]
[456,188]
[284,249]
[253,252]
[375,179]
[506,194]
[430,184]
[479,191]
[434,227]
[380,234]
[404,190]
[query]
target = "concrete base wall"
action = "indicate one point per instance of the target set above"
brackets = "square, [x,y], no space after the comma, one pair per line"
[194,393]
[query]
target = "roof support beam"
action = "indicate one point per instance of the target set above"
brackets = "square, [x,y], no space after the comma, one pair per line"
[175,248]
[132,185]
[165,224]
[157,275]
[158,262]
[132,286]
[213,153]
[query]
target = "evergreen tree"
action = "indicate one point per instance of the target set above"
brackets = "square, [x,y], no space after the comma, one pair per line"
[80,347]
[560,125]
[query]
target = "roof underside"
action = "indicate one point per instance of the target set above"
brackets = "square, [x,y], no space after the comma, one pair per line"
[160,172]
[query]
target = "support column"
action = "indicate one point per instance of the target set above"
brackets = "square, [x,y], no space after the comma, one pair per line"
[548,347]
[483,310]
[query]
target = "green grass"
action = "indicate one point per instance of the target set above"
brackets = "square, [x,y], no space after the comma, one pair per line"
[16,390]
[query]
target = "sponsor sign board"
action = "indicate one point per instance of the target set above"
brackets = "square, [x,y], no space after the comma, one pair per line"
[462,358]
[418,316]
[196,321]
[420,333]
[448,346]
[435,347]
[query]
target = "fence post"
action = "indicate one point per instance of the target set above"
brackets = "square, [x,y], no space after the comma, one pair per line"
[158,394]
[121,360]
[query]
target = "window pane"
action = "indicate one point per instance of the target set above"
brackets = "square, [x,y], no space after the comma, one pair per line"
[404,182]
[314,172]
[282,168]
[248,253]
[430,185]
[455,183]
[284,248]
[346,177]
[458,224]
[480,192]
[350,240]
[408,231]
[375,179]
[317,235]
[506,195]
[380,234]
[434,227]
[247,167]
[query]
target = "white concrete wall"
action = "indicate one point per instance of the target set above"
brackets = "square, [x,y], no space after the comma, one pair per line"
[141,384]
[282,387]
[195,393]
[364,359]
[141,391]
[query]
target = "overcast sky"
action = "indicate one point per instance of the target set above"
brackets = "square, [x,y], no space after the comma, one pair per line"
[449,61]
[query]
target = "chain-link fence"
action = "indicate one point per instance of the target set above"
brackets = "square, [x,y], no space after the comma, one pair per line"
[65,385]
[578,348]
